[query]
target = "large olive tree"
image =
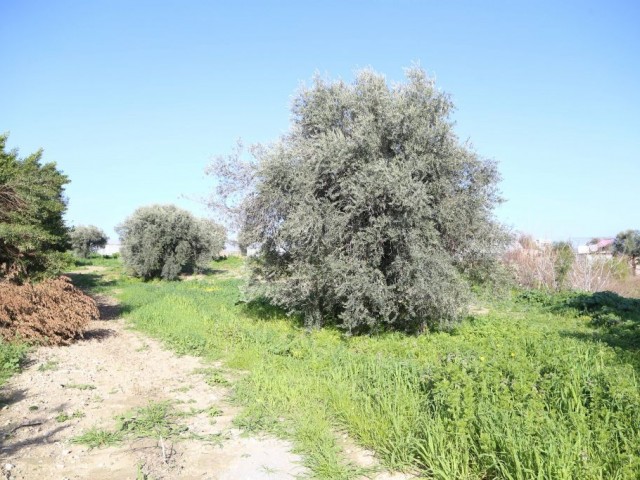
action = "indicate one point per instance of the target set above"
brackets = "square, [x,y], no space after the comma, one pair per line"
[369,211]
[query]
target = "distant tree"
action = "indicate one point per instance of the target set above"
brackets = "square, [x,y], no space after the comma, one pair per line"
[370,211]
[234,182]
[87,239]
[628,243]
[33,235]
[564,257]
[164,241]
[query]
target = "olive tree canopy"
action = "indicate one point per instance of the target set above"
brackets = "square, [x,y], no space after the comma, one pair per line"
[164,241]
[369,211]
[87,239]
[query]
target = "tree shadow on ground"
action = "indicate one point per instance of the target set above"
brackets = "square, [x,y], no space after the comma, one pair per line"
[8,448]
[109,312]
[615,321]
[26,433]
[262,309]
[213,271]
[90,281]
[97,334]
[109,308]
[8,397]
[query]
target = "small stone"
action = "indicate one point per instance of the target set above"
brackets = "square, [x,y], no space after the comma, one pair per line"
[8,467]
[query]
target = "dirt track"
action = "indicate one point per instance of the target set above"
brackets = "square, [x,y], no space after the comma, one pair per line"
[111,372]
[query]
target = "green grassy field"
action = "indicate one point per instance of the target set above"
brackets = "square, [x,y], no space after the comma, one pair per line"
[540,387]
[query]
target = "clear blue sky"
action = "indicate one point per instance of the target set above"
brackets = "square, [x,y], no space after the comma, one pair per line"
[132,98]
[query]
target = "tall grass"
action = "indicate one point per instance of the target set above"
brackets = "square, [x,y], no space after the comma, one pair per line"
[527,391]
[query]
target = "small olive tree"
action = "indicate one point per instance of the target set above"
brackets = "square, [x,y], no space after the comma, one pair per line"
[164,241]
[87,239]
[370,211]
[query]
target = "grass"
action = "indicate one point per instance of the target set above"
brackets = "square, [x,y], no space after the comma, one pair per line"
[97,438]
[157,420]
[12,356]
[212,377]
[64,417]
[80,386]
[49,365]
[542,387]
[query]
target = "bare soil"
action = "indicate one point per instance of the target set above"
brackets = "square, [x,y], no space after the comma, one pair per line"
[111,372]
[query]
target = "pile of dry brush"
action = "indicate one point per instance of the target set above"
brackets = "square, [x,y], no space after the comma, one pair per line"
[52,312]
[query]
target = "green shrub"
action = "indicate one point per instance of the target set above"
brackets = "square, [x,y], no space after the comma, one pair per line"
[11,357]
[370,212]
[86,240]
[33,235]
[164,241]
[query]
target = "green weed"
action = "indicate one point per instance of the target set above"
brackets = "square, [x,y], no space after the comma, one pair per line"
[96,438]
[49,365]
[184,389]
[11,357]
[212,376]
[80,386]
[155,420]
[214,411]
[64,417]
[192,412]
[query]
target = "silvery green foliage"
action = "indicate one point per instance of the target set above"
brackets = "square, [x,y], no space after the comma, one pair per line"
[164,241]
[234,178]
[370,211]
[87,239]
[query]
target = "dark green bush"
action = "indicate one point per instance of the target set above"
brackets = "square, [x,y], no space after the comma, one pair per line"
[164,241]
[33,236]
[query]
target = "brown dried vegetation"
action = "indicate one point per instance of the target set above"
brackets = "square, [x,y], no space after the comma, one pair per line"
[52,312]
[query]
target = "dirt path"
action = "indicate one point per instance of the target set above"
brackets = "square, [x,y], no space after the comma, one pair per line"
[65,391]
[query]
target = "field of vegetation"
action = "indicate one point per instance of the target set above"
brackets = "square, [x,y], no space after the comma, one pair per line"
[542,386]
[370,219]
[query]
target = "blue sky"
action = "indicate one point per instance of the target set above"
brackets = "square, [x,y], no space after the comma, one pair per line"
[131,99]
